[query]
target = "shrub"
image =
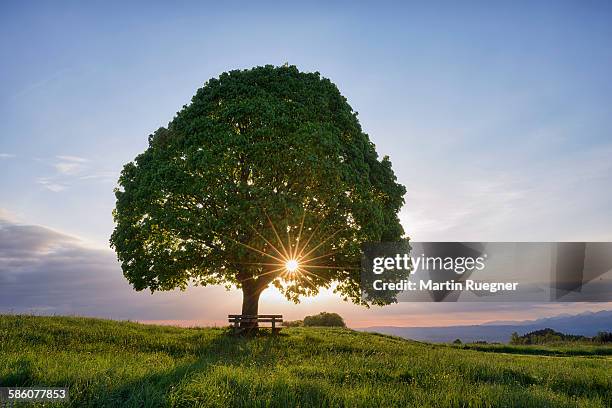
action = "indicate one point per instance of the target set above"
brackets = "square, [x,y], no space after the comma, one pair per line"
[325,319]
[293,323]
[603,337]
[545,336]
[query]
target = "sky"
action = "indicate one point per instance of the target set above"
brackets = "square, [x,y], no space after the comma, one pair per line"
[497,119]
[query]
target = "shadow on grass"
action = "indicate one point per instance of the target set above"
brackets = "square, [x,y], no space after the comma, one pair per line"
[261,349]
[20,373]
[227,350]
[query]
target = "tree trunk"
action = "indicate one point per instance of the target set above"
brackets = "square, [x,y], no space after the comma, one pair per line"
[250,305]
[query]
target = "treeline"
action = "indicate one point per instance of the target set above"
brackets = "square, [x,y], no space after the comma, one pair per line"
[547,336]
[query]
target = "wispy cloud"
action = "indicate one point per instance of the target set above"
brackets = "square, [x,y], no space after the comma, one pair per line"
[534,201]
[6,156]
[51,185]
[6,215]
[102,176]
[69,171]
[44,82]
[70,165]
[73,159]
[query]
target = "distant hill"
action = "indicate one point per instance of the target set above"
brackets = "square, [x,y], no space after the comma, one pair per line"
[584,324]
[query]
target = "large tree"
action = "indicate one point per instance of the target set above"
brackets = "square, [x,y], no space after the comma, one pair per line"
[265,178]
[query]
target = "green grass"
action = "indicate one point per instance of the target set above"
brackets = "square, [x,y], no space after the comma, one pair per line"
[560,349]
[108,363]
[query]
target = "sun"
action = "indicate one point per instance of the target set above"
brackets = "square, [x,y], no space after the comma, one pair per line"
[295,259]
[292,265]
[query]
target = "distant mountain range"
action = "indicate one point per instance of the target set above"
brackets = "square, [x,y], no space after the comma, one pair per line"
[585,324]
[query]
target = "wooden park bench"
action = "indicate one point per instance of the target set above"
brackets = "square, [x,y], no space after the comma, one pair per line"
[236,320]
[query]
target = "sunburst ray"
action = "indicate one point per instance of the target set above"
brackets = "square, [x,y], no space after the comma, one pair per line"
[276,234]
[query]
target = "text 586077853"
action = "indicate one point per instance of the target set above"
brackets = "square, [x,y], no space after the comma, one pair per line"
[33,394]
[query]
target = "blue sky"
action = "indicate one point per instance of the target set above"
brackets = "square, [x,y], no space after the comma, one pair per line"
[497,119]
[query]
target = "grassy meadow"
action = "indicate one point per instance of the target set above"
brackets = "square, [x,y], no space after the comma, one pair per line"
[110,364]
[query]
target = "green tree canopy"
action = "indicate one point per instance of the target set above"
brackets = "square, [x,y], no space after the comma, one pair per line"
[264,165]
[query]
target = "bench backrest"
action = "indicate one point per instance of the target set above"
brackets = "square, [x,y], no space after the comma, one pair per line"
[256,319]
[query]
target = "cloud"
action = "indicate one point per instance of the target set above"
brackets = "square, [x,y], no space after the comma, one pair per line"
[44,271]
[48,272]
[6,156]
[6,215]
[43,83]
[71,171]
[51,185]
[102,176]
[73,159]
[553,199]
[70,165]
